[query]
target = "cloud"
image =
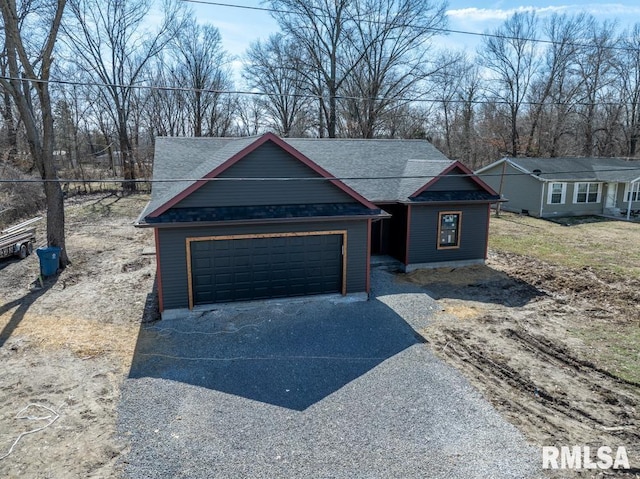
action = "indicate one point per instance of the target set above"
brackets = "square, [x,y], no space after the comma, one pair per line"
[479,15]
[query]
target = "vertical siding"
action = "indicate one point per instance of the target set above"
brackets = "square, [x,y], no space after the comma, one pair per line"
[522,191]
[173,259]
[269,160]
[423,241]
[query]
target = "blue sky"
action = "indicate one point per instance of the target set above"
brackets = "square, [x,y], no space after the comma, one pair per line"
[239,27]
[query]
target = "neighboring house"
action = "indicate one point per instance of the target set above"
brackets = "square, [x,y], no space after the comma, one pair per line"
[554,187]
[265,217]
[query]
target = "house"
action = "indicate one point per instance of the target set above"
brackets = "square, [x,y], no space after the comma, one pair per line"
[554,187]
[265,217]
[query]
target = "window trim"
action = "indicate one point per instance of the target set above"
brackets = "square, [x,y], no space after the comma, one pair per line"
[563,193]
[587,202]
[629,190]
[459,229]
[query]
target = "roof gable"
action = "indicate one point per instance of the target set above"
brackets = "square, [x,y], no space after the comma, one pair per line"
[238,150]
[457,177]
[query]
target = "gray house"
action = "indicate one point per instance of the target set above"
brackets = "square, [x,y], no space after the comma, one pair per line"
[554,187]
[264,217]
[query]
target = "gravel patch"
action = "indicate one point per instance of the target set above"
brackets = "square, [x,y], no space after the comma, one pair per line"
[310,390]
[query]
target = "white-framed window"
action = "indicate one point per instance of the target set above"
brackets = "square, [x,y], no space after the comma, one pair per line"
[587,192]
[632,192]
[557,193]
[449,223]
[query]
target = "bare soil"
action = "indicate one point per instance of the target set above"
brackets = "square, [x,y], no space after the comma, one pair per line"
[68,346]
[534,338]
[515,329]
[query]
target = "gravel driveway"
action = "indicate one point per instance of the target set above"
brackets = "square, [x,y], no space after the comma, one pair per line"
[310,389]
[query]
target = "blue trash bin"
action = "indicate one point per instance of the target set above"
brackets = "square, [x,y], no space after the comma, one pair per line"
[49,260]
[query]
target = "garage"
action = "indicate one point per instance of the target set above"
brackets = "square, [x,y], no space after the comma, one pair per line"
[252,267]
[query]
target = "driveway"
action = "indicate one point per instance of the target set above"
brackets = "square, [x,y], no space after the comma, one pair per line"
[310,389]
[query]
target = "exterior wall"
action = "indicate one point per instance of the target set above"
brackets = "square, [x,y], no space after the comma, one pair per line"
[423,235]
[621,203]
[521,190]
[172,258]
[569,208]
[453,182]
[268,160]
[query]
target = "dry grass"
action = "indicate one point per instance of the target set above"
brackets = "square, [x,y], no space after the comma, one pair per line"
[606,246]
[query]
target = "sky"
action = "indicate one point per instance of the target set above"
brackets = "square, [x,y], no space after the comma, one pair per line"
[239,27]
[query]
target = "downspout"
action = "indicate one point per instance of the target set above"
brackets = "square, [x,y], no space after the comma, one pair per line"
[542,198]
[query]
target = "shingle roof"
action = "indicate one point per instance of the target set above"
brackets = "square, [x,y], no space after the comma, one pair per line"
[581,169]
[385,163]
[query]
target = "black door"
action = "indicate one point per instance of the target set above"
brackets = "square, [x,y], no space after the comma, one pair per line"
[258,268]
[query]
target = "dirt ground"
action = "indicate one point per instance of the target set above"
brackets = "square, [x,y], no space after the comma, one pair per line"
[515,328]
[523,331]
[65,348]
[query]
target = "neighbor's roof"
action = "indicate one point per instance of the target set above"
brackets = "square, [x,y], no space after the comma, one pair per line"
[576,169]
[394,168]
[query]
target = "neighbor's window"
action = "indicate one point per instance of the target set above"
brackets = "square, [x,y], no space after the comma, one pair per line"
[449,229]
[557,192]
[632,192]
[587,193]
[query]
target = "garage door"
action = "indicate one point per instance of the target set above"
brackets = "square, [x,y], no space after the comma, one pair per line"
[246,268]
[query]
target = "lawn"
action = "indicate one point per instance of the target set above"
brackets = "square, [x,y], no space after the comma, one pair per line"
[606,246]
[611,249]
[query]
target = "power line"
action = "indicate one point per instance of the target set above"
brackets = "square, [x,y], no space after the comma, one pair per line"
[309,96]
[318,178]
[433,29]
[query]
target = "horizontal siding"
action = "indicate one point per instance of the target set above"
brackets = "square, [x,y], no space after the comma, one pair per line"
[453,182]
[423,246]
[521,191]
[269,160]
[173,257]
[621,203]
[569,208]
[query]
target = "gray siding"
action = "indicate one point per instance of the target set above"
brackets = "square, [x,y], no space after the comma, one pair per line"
[521,190]
[569,208]
[453,182]
[173,253]
[621,203]
[269,160]
[423,242]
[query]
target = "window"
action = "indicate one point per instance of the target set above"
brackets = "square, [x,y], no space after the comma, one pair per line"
[632,192]
[587,192]
[557,193]
[449,229]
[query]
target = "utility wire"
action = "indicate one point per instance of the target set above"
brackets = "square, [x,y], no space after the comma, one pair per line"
[551,175]
[306,95]
[433,29]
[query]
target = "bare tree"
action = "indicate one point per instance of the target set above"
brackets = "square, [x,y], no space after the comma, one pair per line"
[323,29]
[629,74]
[389,56]
[276,69]
[596,70]
[111,44]
[555,88]
[511,56]
[29,62]
[201,65]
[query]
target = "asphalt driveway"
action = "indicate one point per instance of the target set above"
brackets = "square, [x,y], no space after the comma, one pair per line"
[310,389]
